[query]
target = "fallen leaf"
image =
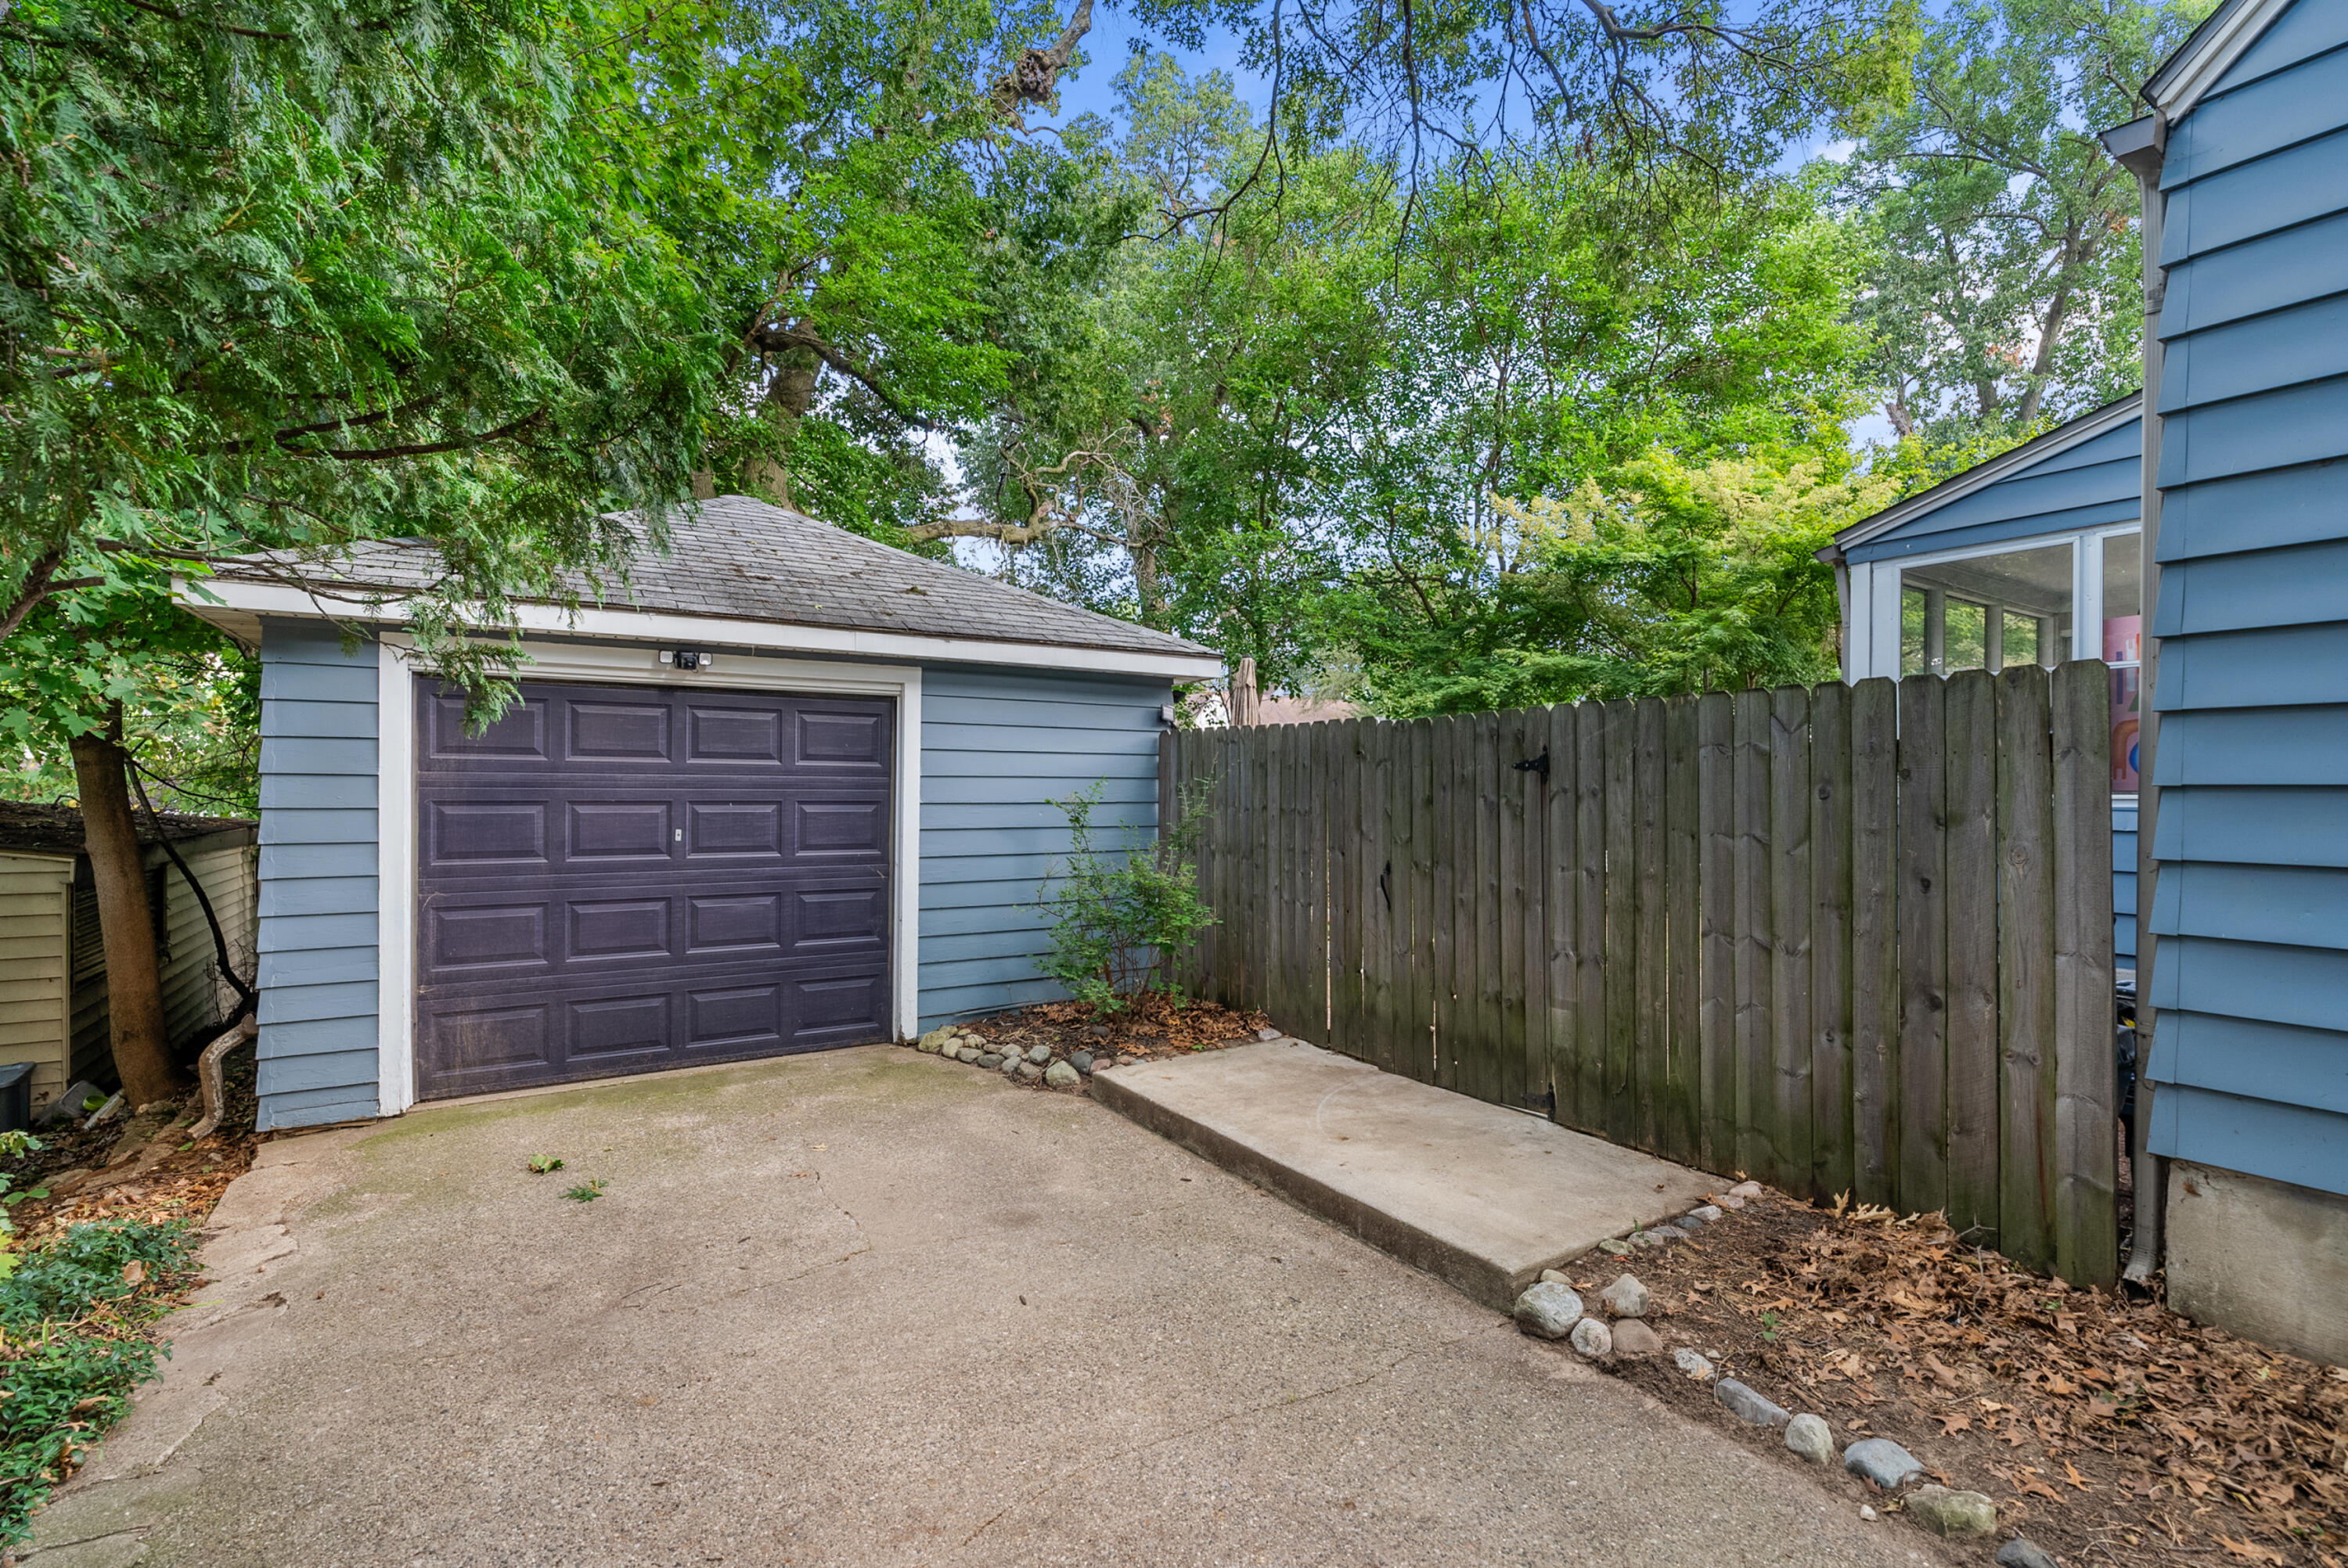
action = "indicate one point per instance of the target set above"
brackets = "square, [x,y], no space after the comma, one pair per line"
[2248,1551]
[2072,1473]
[1951,1425]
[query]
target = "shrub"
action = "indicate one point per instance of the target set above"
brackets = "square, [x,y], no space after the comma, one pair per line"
[1121,917]
[72,1344]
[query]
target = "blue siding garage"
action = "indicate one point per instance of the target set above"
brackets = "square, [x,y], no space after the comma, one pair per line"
[1000,703]
[2250,1054]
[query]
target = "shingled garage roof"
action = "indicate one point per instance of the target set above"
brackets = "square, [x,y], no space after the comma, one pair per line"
[741,559]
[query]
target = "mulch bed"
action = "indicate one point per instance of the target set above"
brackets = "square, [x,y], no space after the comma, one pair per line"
[2106,1429]
[1153,1027]
[183,1181]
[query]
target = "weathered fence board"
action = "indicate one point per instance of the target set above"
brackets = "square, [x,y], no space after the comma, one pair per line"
[1853,941]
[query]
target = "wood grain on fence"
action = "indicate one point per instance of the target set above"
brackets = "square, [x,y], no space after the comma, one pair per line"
[1854,941]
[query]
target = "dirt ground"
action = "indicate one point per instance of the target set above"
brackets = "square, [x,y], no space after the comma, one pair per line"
[75,1175]
[1153,1027]
[2106,1429]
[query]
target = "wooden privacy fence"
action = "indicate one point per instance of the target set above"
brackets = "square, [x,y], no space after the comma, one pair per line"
[1855,939]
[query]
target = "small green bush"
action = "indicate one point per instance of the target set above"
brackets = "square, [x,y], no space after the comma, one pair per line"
[72,1344]
[1121,918]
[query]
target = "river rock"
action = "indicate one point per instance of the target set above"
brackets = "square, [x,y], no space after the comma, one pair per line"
[1028,1070]
[1810,1437]
[1707,1213]
[2021,1553]
[1039,1054]
[1750,1406]
[1632,1338]
[1882,1461]
[1694,1364]
[1549,1310]
[1267,1034]
[1626,1297]
[1592,1337]
[989,1060]
[1060,1075]
[1746,1190]
[1951,1513]
[933,1042]
[1083,1060]
[1614,1246]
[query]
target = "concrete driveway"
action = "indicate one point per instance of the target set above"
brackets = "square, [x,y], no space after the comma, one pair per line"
[869,1307]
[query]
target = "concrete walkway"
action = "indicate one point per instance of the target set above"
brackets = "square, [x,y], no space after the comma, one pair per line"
[1476,1195]
[870,1308]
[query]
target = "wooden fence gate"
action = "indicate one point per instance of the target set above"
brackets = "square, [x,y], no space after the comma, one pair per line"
[1855,939]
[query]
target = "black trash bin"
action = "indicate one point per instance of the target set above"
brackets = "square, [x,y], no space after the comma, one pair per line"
[17,1097]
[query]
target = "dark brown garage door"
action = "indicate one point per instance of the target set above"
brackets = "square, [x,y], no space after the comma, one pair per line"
[616,879]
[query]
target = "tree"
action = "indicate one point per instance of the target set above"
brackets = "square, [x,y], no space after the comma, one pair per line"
[280,275]
[2004,289]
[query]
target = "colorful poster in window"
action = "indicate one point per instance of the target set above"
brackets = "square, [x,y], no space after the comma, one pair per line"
[2125,686]
[2123,639]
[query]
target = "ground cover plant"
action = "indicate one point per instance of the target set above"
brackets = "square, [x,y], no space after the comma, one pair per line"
[2106,1427]
[78,1317]
[1121,917]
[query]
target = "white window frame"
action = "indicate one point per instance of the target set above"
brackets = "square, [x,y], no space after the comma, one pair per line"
[635,663]
[1875,599]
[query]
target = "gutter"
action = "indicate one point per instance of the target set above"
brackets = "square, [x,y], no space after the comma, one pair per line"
[2140,147]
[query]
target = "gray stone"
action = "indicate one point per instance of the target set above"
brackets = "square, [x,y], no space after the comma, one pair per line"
[1060,1075]
[1749,1406]
[1267,1033]
[1951,1513]
[1746,1190]
[1592,1337]
[1651,1239]
[1632,1338]
[1810,1437]
[1689,1222]
[1098,1031]
[933,1042]
[971,1053]
[1556,1276]
[1012,1064]
[1083,1060]
[1614,1246]
[1707,1212]
[1694,1364]
[1729,1201]
[1039,1054]
[1626,1297]
[2021,1553]
[990,1060]
[1866,1513]
[1882,1461]
[1029,1071]
[1549,1310]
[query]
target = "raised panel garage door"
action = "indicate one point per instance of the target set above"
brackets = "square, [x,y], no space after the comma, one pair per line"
[615,879]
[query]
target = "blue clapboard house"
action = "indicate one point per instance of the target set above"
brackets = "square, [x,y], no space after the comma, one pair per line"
[2197,539]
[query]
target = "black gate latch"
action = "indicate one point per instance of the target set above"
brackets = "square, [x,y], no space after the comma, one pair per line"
[1539,764]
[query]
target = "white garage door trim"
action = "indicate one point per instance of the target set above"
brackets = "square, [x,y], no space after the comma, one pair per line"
[638,663]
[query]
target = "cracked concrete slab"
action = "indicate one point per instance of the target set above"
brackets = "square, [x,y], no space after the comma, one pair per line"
[871,1307]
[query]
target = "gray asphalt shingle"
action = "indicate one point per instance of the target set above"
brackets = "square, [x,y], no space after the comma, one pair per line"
[749,560]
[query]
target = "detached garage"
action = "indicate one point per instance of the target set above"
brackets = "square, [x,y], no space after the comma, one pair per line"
[793,793]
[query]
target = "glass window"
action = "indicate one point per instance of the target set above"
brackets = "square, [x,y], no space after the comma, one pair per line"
[1986,612]
[2123,649]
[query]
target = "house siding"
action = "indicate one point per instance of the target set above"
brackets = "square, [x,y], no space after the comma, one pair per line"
[36,893]
[318,934]
[2252,907]
[997,748]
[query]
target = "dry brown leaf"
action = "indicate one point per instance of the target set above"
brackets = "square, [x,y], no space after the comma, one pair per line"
[2248,1551]
[2072,1473]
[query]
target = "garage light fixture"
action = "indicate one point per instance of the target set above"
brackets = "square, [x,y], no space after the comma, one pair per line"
[687,659]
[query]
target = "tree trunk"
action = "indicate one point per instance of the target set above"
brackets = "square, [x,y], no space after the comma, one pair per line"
[134,986]
[789,397]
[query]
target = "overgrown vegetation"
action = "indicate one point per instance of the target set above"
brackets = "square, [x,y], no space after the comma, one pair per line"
[1120,915]
[75,1340]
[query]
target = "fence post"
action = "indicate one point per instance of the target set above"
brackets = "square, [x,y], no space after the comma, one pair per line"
[1790,884]
[1716,722]
[1679,1110]
[2086,1236]
[1831,1101]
